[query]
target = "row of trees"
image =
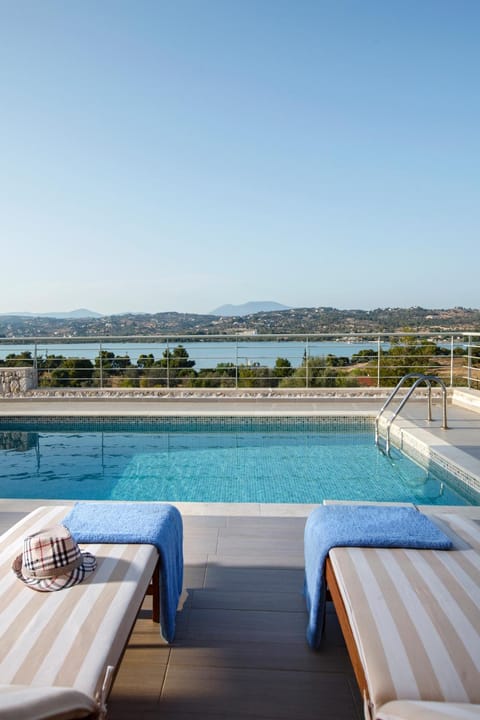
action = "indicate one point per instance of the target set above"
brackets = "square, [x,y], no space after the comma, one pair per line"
[176,369]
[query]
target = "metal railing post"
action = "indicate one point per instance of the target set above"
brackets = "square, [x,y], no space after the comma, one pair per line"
[236,363]
[35,363]
[451,361]
[469,362]
[306,362]
[168,365]
[379,352]
[100,379]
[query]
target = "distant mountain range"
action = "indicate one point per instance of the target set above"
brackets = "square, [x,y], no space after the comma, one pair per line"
[80,313]
[311,321]
[248,308]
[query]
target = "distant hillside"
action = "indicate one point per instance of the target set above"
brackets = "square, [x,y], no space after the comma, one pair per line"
[248,308]
[312,321]
[80,313]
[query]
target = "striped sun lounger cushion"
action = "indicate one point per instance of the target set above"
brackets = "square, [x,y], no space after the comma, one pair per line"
[357,525]
[415,616]
[69,638]
[19,702]
[411,710]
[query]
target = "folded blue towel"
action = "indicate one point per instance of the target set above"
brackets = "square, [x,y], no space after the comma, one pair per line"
[158,524]
[331,526]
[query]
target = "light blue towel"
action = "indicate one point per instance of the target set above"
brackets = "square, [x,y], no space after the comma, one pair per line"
[331,526]
[158,524]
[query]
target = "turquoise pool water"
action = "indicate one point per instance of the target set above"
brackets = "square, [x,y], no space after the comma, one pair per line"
[212,462]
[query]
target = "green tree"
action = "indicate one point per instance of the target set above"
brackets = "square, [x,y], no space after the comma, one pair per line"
[406,355]
[223,375]
[153,376]
[58,371]
[364,356]
[109,368]
[23,359]
[282,369]
[254,376]
[178,358]
[178,367]
[319,371]
[79,370]
[145,361]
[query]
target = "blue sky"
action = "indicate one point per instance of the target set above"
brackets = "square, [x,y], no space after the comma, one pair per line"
[180,155]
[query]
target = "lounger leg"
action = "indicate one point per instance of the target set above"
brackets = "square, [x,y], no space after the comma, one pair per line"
[156,593]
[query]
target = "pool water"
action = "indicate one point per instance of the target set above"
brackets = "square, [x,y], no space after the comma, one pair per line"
[261,466]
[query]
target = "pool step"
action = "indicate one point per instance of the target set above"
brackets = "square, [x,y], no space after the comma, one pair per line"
[466,398]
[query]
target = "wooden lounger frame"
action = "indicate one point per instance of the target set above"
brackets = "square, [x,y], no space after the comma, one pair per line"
[154,590]
[346,628]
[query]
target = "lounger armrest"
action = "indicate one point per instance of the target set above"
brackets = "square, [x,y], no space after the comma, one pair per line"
[27,702]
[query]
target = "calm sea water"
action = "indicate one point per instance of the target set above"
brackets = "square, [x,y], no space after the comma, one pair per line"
[205,354]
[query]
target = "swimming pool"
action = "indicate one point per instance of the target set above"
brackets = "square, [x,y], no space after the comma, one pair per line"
[266,460]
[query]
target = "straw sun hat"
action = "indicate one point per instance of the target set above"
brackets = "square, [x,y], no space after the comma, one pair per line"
[52,560]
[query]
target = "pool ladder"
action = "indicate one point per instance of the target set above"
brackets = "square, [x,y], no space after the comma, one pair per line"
[420,378]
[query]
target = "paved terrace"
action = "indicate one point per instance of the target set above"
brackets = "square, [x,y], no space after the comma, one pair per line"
[240,650]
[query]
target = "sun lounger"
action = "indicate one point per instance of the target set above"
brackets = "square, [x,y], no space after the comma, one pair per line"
[23,702]
[63,648]
[411,621]
[423,710]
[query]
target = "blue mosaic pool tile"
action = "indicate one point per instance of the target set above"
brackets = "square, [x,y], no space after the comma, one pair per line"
[26,426]
[192,423]
[446,471]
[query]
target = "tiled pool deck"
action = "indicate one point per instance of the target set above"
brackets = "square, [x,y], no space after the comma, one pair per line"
[240,649]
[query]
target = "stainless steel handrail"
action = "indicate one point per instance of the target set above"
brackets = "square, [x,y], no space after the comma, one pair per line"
[428,379]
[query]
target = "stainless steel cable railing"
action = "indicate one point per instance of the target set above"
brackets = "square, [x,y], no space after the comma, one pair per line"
[363,360]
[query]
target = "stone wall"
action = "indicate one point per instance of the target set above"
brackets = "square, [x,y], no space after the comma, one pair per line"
[16,380]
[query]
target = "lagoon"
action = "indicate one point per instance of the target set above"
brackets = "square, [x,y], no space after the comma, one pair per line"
[206,354]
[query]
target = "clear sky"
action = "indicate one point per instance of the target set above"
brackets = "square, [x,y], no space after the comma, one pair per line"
[181,154]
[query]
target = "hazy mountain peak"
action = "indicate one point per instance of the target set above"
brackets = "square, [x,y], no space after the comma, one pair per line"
[72,314]
[248,308]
